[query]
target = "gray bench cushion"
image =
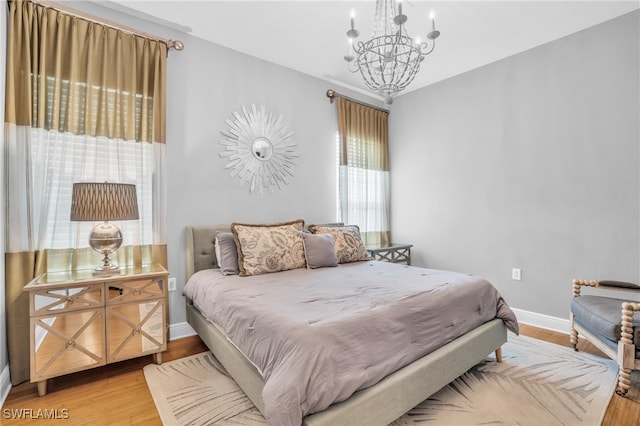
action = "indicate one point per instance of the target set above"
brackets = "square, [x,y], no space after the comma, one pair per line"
[602,315]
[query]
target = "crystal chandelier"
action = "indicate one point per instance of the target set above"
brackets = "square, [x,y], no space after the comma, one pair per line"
[390,59]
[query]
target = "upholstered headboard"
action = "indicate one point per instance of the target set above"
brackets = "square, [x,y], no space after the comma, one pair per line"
[200,253]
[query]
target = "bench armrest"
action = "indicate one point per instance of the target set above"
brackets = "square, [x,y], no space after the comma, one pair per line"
[605,284]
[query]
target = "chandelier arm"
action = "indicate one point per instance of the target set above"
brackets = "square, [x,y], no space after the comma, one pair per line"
[426,45]
[353,67]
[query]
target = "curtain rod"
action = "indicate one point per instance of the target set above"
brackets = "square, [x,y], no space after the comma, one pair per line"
[332,94]
[176,44]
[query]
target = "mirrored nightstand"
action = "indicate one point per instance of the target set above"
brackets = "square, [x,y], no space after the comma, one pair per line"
[80,321]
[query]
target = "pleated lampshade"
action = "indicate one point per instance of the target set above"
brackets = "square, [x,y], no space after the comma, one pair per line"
[105,201]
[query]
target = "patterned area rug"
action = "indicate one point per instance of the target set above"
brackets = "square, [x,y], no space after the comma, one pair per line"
[538,383]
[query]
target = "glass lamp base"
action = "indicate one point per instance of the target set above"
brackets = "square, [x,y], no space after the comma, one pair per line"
[111,270]
[106,238]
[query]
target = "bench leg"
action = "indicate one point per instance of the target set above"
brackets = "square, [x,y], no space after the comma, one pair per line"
[624,381]
[573,338]
[499,354]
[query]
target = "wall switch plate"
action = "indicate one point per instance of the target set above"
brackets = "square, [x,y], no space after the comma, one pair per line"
[172,284]
[516,274]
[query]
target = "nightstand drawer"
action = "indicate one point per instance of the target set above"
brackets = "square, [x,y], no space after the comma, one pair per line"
[135,290]
[58,300]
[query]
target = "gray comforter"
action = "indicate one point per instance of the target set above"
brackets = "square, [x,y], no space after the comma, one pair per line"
[319,335]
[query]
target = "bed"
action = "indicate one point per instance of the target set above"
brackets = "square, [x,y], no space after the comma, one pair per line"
[379,400]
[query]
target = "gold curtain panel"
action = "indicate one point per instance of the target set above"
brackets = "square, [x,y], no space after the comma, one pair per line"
[367,128]
[50,53]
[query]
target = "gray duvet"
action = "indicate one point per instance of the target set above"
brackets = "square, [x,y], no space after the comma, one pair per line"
[319,335]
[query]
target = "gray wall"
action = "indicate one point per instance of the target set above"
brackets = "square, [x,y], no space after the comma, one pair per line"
[530,162]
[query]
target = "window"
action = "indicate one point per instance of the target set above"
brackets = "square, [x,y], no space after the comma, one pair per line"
[363,172]
[61,158]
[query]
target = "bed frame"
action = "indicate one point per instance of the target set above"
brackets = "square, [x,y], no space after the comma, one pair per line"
[379,404]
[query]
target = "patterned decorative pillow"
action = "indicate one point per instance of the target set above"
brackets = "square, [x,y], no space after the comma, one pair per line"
[347,242]
[269,248]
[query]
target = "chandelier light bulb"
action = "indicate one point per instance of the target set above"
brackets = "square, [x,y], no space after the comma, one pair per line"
[353,33]
[400,19]
[434,34]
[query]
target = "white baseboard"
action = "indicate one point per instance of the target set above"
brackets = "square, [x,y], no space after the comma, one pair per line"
[5,384]
[543,321]
[180,330]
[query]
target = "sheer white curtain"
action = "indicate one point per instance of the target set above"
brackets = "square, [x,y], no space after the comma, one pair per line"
[60,159]
[364,201]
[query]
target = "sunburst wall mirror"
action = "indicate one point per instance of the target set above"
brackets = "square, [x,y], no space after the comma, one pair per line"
[259,148]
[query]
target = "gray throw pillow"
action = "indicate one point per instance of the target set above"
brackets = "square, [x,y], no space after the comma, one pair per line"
[226,253]
[319,250]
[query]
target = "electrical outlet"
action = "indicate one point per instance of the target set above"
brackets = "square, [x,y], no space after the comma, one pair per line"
[172,284]
[516,274]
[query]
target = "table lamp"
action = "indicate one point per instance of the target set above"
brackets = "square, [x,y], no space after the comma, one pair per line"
[104,201]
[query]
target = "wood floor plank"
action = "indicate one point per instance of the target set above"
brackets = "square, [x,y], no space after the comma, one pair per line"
[117,394]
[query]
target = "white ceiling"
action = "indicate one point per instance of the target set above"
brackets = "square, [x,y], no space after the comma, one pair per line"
[309,36]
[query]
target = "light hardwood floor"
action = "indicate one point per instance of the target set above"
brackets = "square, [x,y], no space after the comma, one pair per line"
[117,394]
